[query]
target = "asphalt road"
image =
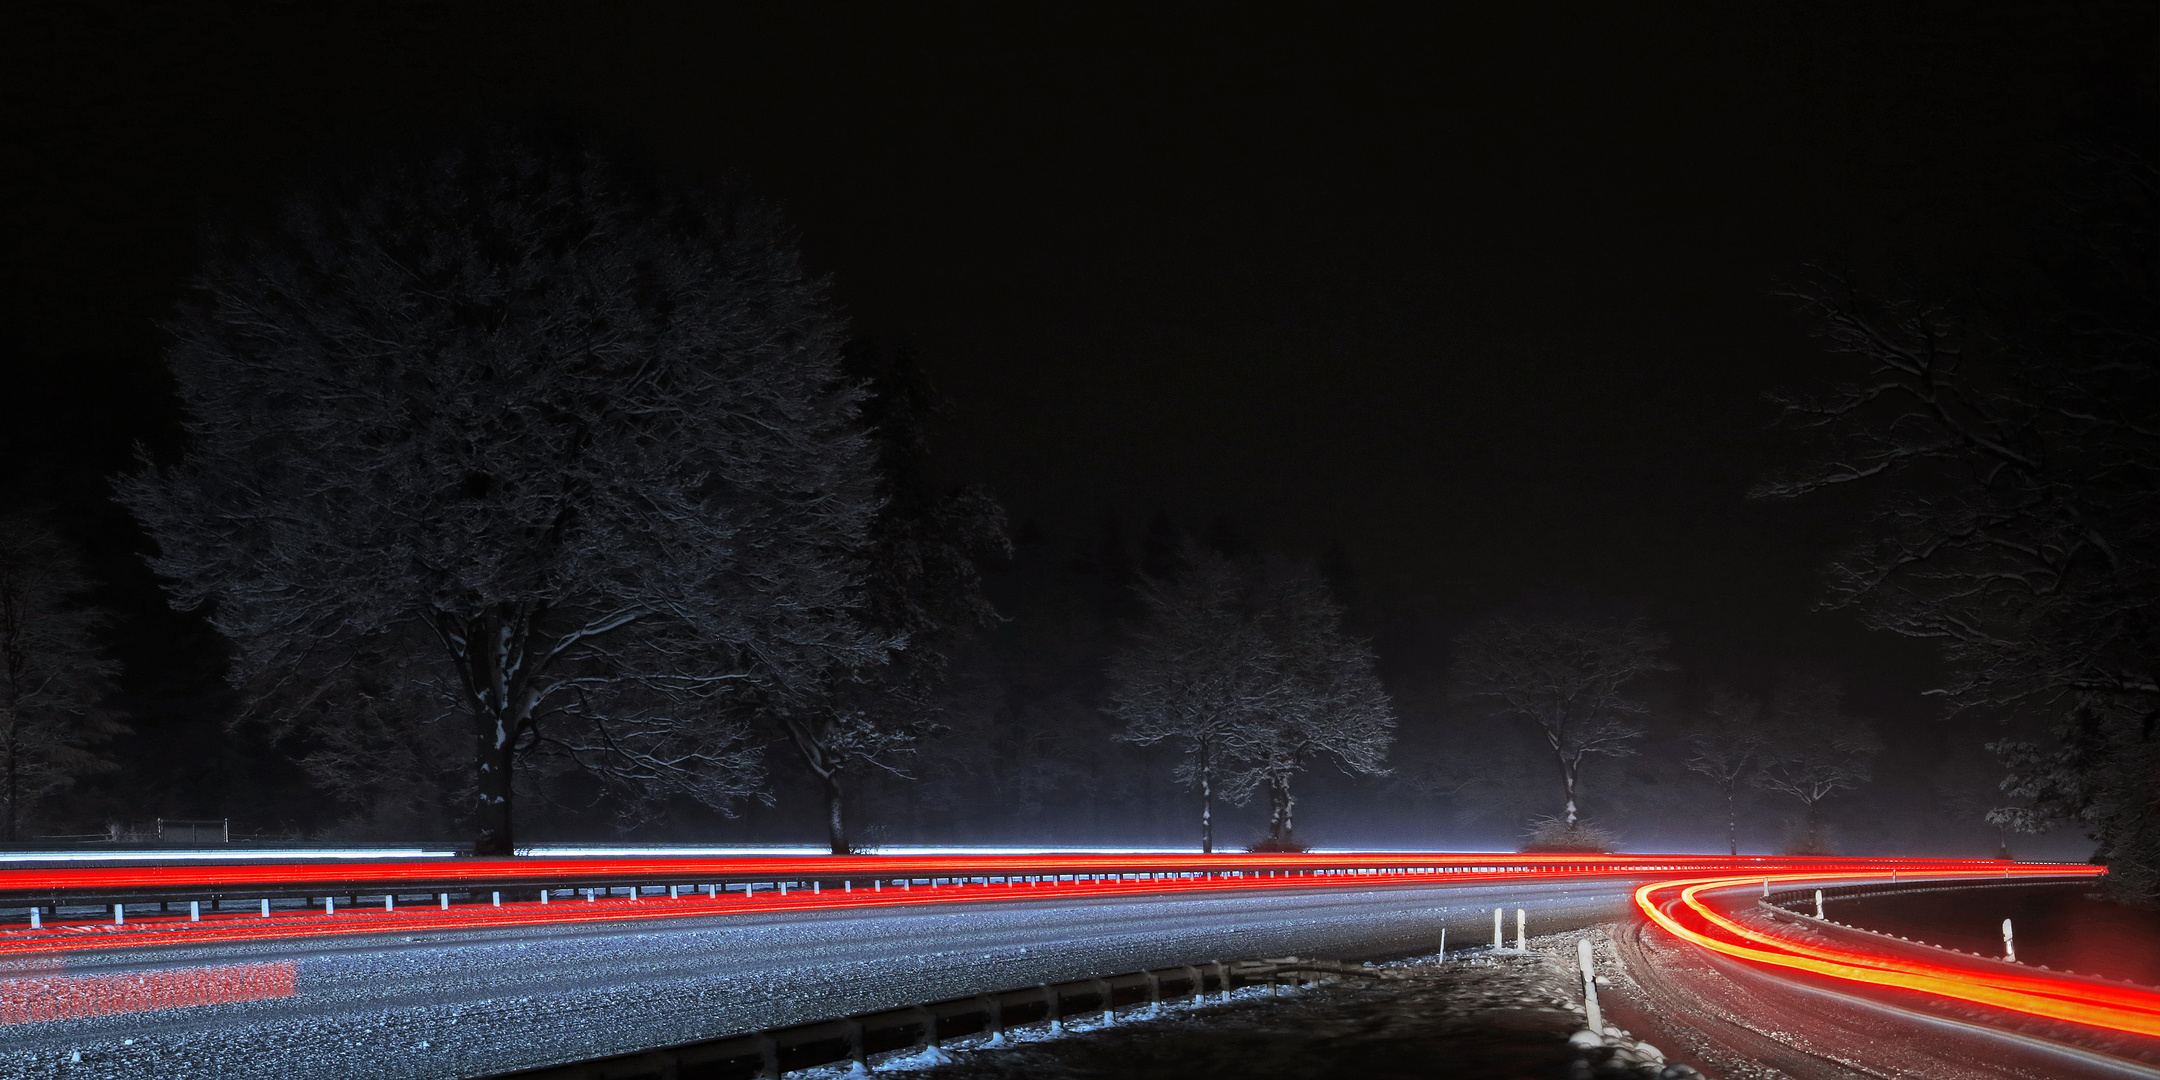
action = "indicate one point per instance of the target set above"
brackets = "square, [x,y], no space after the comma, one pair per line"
[1738,1022]
[481,1002]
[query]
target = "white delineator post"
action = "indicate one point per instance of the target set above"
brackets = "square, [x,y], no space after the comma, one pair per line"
[266,909]
[1591,1016]
[2009,946]
[1521,943]
[194,911]
[1818,903]
[36,921]
[1443,943]
[1498,940]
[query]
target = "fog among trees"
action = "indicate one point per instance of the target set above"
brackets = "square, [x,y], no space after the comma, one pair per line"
[522,494]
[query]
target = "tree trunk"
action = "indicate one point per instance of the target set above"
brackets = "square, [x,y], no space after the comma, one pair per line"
[1568,773]
[1282,805]
[835,820]
[495,757]
[489,650]
[1207,806]
[14,793]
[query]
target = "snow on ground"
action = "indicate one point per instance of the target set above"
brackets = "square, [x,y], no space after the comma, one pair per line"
[1476,1014]
[479,1002]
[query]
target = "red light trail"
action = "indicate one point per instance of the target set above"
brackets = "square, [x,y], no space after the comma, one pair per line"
[1675,901]
[1679,906]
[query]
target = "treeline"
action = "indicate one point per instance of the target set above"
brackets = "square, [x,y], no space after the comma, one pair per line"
[531,497]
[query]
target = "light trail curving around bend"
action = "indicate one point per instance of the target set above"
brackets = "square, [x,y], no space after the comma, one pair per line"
[1680,907]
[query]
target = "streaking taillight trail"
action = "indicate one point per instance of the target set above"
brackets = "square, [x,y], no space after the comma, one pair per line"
[1681,908]
[1674,898]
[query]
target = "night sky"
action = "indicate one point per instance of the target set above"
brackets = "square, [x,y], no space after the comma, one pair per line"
[1489,299]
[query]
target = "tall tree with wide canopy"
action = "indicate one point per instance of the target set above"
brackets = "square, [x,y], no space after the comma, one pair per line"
[2010,443]
[924,587]
[1331,708]
[1201,672]
[585,437]
[1570,679]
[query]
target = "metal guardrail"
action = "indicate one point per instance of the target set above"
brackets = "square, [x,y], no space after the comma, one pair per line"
[769,1054]
[1802,901]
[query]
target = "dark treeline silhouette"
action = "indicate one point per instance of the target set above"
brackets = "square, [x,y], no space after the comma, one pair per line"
[509,494]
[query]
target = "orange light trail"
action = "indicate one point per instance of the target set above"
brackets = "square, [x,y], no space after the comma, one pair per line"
[2114,1007]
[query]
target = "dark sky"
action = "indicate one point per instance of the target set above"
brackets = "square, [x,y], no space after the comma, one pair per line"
[1486,298]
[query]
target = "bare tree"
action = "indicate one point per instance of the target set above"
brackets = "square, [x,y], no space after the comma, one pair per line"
[1332,707]
[1816,750]
[2016,526]
[588,437]
[1568,679]
[924,588]
[1729,746]
[1202,673]
[53,674]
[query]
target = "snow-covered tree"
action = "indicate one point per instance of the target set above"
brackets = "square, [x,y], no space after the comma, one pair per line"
[1568,679]
[1201,672]
[924,573]
[585,436]
[1816,750]
[2011,447]
[53,674]
[1728,746]
[1332,707]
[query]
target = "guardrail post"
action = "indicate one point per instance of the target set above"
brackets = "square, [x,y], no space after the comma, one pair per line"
[2009,945]
[1154,993]
[1103,991]
[768,1049]
[1222,979]
[1591,1015]
[855,1046]
[994,1018]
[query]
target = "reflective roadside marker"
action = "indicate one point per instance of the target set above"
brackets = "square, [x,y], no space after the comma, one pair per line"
[498,898]
[544,895]
[119,914]
[266,909]
[329,905]
[2009,946]
[35,922]
[1520,943]
[1595,1022]
[194,911]
[389,902]
[1818,903]
[445,898]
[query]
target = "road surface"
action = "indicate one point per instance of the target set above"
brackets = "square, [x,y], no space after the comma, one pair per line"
[478,1002]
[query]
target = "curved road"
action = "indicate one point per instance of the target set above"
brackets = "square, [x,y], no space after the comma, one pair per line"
[1742,1022]
[478,1002]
